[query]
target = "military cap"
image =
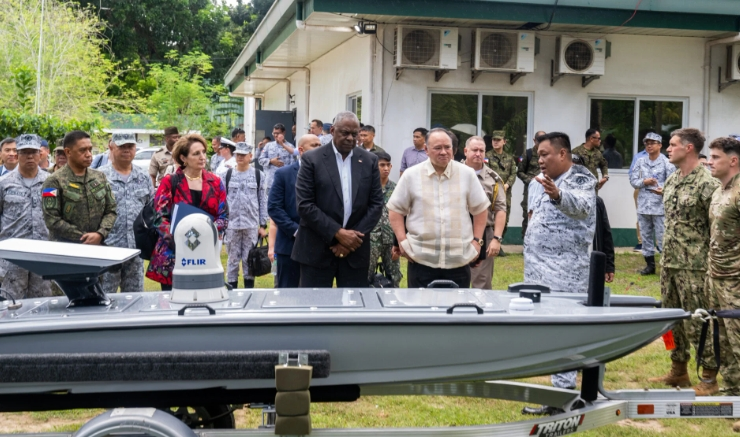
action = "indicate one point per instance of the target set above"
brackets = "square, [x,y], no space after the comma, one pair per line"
[172,130]
[652,136]
[243,149]
[123,138]
[28,141]
[498,135]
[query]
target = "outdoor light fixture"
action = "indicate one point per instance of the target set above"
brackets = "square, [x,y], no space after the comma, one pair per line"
[366,28]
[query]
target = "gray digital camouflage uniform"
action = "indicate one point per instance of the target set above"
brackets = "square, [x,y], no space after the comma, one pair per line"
[556,246]
[131,194]
[270,151]
[21,216]
[247,213]
[650,211]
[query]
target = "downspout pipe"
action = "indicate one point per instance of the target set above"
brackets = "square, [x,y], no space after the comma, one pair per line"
[308,84]
[708,76]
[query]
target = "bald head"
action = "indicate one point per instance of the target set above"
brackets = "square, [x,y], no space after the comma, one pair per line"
[308,142]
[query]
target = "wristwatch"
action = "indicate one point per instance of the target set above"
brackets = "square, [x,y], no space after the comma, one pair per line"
[479,241]
[499,239]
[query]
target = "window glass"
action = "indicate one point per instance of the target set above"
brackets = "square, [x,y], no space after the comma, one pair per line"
[660,117]
[458,113]
[615,120]
[507,113]
[354,104]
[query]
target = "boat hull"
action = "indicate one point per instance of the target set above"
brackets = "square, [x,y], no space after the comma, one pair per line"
[373,337]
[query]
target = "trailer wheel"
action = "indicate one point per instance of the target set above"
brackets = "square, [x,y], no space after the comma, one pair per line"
[206,417]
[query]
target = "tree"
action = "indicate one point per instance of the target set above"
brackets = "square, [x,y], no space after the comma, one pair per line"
[75,74]
[145,31]
[182,97]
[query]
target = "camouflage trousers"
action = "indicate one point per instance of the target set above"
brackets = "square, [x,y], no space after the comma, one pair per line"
[129,276]
[238,244]
[724,293]
[684,289]
[391,268]
[652,229]
[23,284]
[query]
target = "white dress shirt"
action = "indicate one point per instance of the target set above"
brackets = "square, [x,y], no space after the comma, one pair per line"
[345,175]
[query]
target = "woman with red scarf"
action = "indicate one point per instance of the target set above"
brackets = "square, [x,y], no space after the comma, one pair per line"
[194,186]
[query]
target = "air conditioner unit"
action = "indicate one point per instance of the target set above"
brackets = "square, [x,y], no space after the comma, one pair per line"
[733,62]
[433,48]
[580,56]
[504,51]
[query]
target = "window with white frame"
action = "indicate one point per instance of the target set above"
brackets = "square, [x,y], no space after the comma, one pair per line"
[468,114]
[624,122]
[354,104]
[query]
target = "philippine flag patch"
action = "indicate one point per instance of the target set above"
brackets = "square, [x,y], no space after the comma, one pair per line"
[49,192]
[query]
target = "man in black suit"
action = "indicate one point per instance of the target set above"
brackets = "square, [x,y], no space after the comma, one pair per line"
[281,207]
[339,201]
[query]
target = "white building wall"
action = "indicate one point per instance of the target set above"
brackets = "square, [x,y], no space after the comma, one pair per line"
[276,98]
[339,73]
[639,66]
[724,107]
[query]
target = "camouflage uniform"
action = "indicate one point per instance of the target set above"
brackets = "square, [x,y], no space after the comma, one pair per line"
[375,149]
[247,213]
[77,205]
[21,217]
[270,151]
[723,279]
[381,243]
[650,212]
[685,248]
[493,185]
[505,166]
[556,246]
[131,194]
[526,170]
[592,160]
[159,163]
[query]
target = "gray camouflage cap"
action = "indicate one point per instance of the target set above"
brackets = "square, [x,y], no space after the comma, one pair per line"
[28,141]
[123,138]
[653,136]
[243,149]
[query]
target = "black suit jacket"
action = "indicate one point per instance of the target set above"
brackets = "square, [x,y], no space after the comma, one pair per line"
[321,209]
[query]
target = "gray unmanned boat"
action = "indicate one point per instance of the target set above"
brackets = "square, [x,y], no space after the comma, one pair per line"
[161,347]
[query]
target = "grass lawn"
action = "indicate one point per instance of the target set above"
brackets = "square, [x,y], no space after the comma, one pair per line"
[399,411]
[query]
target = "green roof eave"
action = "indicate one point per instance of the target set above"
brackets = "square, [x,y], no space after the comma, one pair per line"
[583,13]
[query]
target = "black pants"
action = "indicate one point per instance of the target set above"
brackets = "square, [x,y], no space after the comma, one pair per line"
[419,275]
[340,270]
[288,272]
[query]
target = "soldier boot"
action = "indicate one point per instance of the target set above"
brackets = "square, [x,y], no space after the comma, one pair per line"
[708,385]
[248,283]
[234,285]
[650,268]
[678,376]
